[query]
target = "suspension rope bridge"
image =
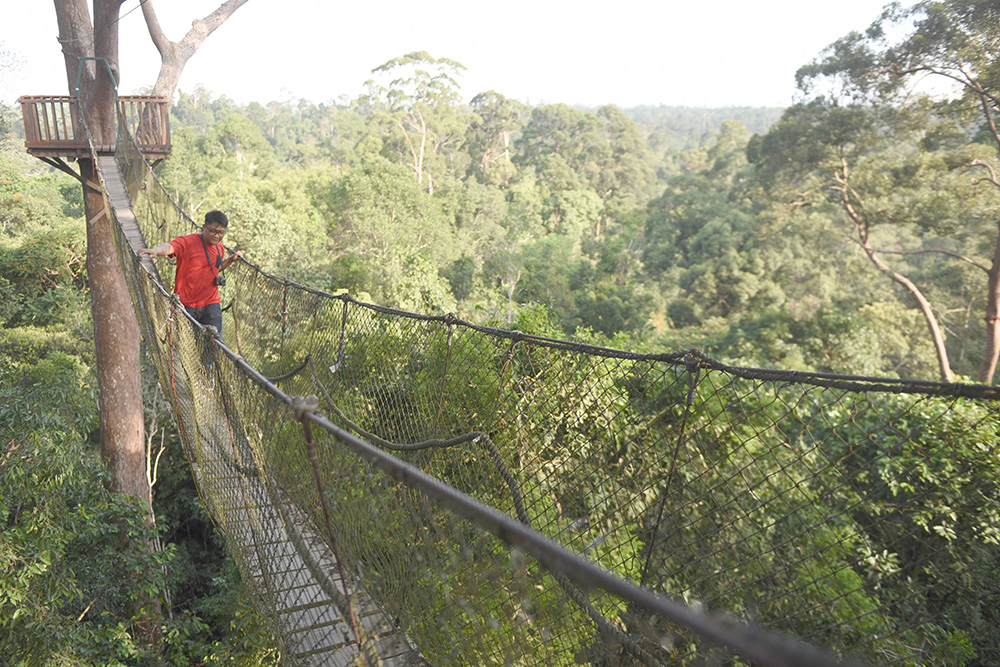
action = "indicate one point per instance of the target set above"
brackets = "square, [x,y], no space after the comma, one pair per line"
[404,489]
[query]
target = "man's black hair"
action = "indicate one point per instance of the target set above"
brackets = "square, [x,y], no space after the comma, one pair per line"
[218,217]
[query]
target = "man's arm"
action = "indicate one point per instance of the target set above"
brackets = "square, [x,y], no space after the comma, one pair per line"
[231,258]
[162,249]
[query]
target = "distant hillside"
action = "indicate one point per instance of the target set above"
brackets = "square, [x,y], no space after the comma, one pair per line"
[687,126]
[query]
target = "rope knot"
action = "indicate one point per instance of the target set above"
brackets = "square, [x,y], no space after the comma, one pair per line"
[692,360]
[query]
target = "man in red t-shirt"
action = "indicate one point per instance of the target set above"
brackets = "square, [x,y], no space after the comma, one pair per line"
[200,261]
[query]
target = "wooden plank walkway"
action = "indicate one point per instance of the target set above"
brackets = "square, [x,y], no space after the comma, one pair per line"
[285,559]
[114,186]
[280,552]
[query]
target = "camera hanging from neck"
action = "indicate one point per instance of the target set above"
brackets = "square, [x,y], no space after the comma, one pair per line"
[219,279]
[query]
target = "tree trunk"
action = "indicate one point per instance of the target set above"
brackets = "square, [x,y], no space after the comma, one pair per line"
[75,34]
[992,352]
[116,331]
[937,338]
[91,59]
[116,341]
[841,177]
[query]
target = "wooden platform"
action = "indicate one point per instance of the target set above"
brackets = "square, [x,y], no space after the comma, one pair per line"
[52,126]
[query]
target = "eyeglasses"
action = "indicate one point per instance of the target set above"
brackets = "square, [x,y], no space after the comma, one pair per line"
[215,231]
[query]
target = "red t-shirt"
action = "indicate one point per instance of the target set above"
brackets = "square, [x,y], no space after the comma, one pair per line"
[194,277]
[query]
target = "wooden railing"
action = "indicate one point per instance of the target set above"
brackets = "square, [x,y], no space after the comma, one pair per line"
[52,125]
[148,121]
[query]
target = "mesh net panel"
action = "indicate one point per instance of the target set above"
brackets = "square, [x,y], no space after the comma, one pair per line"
[404,489]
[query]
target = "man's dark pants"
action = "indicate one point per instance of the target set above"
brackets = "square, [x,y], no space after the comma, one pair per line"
[210,315]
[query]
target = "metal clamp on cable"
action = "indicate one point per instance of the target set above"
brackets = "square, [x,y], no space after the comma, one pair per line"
[304,404]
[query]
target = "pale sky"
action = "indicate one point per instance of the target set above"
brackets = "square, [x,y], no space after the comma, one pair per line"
[711,53]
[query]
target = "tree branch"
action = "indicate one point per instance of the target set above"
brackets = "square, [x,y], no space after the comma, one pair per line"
[926,251]
[160,40]
[988,167]
[174,55]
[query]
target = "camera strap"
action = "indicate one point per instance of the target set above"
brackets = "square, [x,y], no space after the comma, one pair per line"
[218,257]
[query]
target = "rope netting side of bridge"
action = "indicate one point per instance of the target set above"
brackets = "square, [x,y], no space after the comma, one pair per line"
[458,494]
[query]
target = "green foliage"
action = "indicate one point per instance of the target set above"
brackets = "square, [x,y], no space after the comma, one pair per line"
[11,302]
[713,248]
[417,117]
[572,149]
[384,219]
[935,452]
[49,270]
[870,339]
[720,241]
[44,300]
[67,582]
[489,136]
[849,508]
[418,77]
[241,141]
[261,233]
[670,130]
[65,578]
[510,205]
[29,200]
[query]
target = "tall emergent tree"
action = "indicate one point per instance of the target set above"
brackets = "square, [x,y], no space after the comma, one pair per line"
[90,51]
[420,105]
[91,56]
[939,143]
